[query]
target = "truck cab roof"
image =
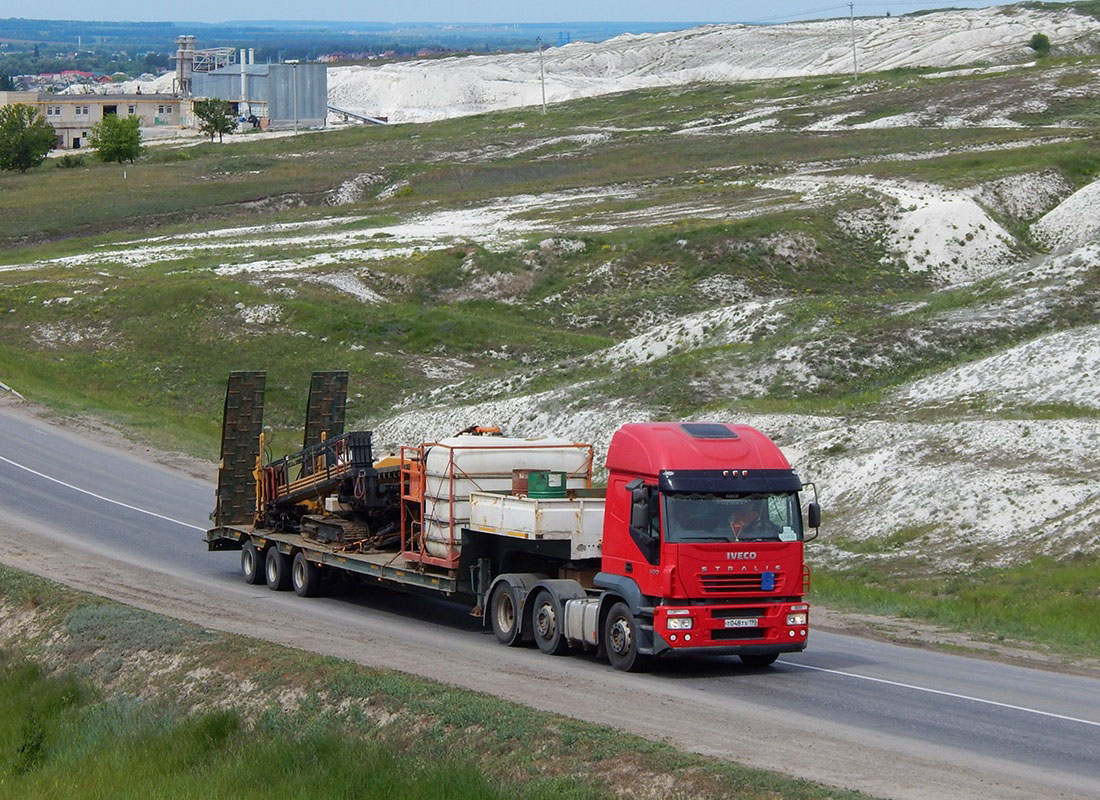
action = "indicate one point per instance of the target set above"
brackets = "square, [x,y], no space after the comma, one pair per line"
[647,448]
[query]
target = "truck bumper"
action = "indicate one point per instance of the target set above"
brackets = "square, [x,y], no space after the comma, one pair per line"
[664,649]
[739,628]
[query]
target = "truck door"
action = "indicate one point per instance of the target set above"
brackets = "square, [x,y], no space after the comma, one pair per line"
[632,550]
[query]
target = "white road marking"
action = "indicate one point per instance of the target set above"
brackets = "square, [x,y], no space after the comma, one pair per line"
[943,693]
[99,496]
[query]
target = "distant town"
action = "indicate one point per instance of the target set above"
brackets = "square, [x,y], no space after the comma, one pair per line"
[58,55]
[65,80]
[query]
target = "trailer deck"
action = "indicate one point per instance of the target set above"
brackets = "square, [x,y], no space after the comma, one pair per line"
[384,566]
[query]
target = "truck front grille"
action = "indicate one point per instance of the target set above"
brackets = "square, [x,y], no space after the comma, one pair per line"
[737,583]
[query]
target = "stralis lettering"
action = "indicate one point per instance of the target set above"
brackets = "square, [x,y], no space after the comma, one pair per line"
[738,556]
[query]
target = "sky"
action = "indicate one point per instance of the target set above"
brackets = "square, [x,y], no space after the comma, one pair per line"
[471,10]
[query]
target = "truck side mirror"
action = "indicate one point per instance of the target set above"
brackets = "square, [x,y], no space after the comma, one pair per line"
[814,515]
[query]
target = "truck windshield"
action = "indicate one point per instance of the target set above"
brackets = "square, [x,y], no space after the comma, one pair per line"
[732,518]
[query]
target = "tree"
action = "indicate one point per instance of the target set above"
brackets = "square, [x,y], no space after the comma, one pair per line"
[1040,43]
[117,138]
[25,137]
[215,117]
[7,83]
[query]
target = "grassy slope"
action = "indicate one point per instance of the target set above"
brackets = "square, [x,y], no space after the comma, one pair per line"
[136,705]
[1048,602]
[164,336]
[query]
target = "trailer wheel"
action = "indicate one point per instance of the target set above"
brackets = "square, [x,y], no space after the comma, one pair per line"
[305,576]
[547,621]
[758,661]
[620,638]
[504,615]
[277,570]
[252,564]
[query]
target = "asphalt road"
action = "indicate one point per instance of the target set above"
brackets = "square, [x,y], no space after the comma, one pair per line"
[894,721]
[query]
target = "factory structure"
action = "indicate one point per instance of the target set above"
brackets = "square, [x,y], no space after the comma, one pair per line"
[278,96]
[286,96]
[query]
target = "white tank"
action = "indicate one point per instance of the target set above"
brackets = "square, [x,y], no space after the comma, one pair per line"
[459,465]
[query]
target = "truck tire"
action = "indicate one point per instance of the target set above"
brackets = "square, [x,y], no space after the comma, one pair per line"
[758,661]
[504,615]
[252,564]
[547,622]
[620,639]
[305,576]
[277,570]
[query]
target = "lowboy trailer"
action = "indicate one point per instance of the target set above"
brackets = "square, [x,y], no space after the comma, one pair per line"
[694,547]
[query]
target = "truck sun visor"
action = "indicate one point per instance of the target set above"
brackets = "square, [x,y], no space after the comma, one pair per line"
[721,481]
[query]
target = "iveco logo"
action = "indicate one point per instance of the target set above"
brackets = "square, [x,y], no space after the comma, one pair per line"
[739,556]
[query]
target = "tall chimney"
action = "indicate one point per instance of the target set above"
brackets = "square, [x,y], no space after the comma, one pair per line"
[242,108]
[185,63]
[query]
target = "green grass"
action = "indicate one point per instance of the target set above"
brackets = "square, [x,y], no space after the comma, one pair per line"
[1086,7]
[163,345]
[1078,160]
[55,736]
[1044,601]
[98,724]
[885,544]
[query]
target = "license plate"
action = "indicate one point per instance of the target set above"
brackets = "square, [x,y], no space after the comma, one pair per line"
[742,623]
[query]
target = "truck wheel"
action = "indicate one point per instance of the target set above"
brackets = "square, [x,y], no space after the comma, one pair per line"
[504,615]
[758,661]
[277,570]
[305,576]
[547,621]
[252,564]
[620,637]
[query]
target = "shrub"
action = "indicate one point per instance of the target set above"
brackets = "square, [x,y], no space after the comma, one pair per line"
[1040,43]
[25,137]
[69,161]
[117,138]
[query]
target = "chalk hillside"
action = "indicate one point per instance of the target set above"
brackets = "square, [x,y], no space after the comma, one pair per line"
[897,277]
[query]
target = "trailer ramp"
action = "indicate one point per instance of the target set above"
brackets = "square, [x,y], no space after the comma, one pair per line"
[242,424]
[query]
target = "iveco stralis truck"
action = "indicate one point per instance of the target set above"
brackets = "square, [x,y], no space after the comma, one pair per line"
[695,546]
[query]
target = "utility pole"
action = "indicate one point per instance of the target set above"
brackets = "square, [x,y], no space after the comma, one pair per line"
[855,63]
[542,73]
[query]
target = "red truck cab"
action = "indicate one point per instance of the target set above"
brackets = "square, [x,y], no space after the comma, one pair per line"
[702,545]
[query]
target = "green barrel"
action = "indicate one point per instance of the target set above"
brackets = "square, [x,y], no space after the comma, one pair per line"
[546,484]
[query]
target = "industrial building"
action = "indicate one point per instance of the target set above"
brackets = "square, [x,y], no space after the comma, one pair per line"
[271,96]
[73,115]
[280,96]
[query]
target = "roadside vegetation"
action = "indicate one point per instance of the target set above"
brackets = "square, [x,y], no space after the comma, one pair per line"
[1047,602]
[99,699]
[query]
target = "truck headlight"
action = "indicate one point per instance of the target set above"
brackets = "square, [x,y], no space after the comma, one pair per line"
[680,623]
[797,619]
